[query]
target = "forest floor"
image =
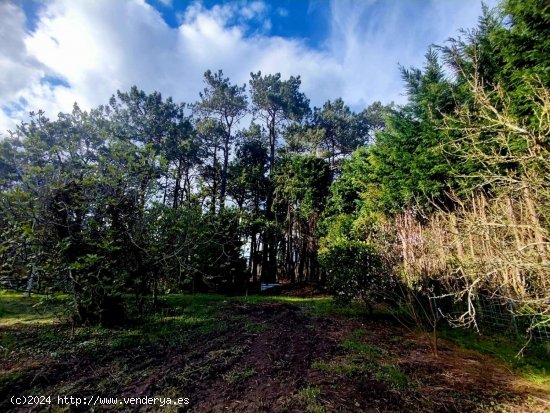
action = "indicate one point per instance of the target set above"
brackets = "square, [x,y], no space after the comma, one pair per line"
[255,354]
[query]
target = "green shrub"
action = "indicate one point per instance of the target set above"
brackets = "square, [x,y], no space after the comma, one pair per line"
[355,270]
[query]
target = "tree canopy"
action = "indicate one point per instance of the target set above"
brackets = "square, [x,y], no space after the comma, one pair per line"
[249,183]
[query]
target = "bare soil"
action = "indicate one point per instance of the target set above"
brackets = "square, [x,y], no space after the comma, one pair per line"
[267,360]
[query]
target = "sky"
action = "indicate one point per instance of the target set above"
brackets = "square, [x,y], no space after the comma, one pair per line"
[54,53]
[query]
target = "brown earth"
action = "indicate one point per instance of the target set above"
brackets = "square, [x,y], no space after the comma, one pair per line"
[276,357]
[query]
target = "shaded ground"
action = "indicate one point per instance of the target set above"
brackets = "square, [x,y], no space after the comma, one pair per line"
[258,355]
[298,290]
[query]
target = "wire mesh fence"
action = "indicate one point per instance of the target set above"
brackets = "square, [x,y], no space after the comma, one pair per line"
[496,315]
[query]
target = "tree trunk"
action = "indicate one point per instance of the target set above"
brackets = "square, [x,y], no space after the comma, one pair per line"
[224,169]
[253,253]
[269,250]
[187,185]
[214,183]
[177,186]
[30,282]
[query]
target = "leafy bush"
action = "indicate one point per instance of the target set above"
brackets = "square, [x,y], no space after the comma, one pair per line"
[355,270]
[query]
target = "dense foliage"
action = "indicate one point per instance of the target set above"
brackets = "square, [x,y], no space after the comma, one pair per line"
[145,195]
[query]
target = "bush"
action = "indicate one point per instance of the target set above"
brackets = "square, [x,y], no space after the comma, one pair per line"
[355,270]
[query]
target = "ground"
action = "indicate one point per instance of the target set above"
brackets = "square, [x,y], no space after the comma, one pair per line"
[253,354]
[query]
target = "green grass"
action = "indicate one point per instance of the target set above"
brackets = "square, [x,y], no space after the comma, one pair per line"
[309,398]
[364,359]
[179,319]
[316,306]
[322,307]
[183,308]
[255,328]
[235,375]
[534,365]
[392,376]
[37,309]
[341,367]
[30,327]
[8,379]
[355,344]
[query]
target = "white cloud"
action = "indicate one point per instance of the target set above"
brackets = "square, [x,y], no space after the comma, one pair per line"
[101,46]
[252,10]
[282,11]
[18,69]
[16,65]
[370,38]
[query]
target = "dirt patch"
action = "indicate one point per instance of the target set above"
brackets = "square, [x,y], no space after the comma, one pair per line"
[275,357]
[280,358]
[467,380]
[279,371]
[298,290]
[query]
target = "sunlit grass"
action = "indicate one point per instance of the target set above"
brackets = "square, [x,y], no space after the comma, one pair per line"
[36,309]
[186,308]
[316,306]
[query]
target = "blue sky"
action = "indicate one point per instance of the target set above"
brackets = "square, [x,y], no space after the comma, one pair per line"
[56,52]
[302,19]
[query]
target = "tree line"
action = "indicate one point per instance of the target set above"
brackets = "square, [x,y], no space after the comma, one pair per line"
[451,202]
[145,195]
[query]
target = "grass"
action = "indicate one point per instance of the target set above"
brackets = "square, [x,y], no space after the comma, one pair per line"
[36,309]
[356,345]
[30,327]
[236,375]
[33,323]
[340,367]
[8,379]
[179,319]
[533,366]
[308,397]
[364,359]
[182,317]
[255,328]
[315,306]
[392,376]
